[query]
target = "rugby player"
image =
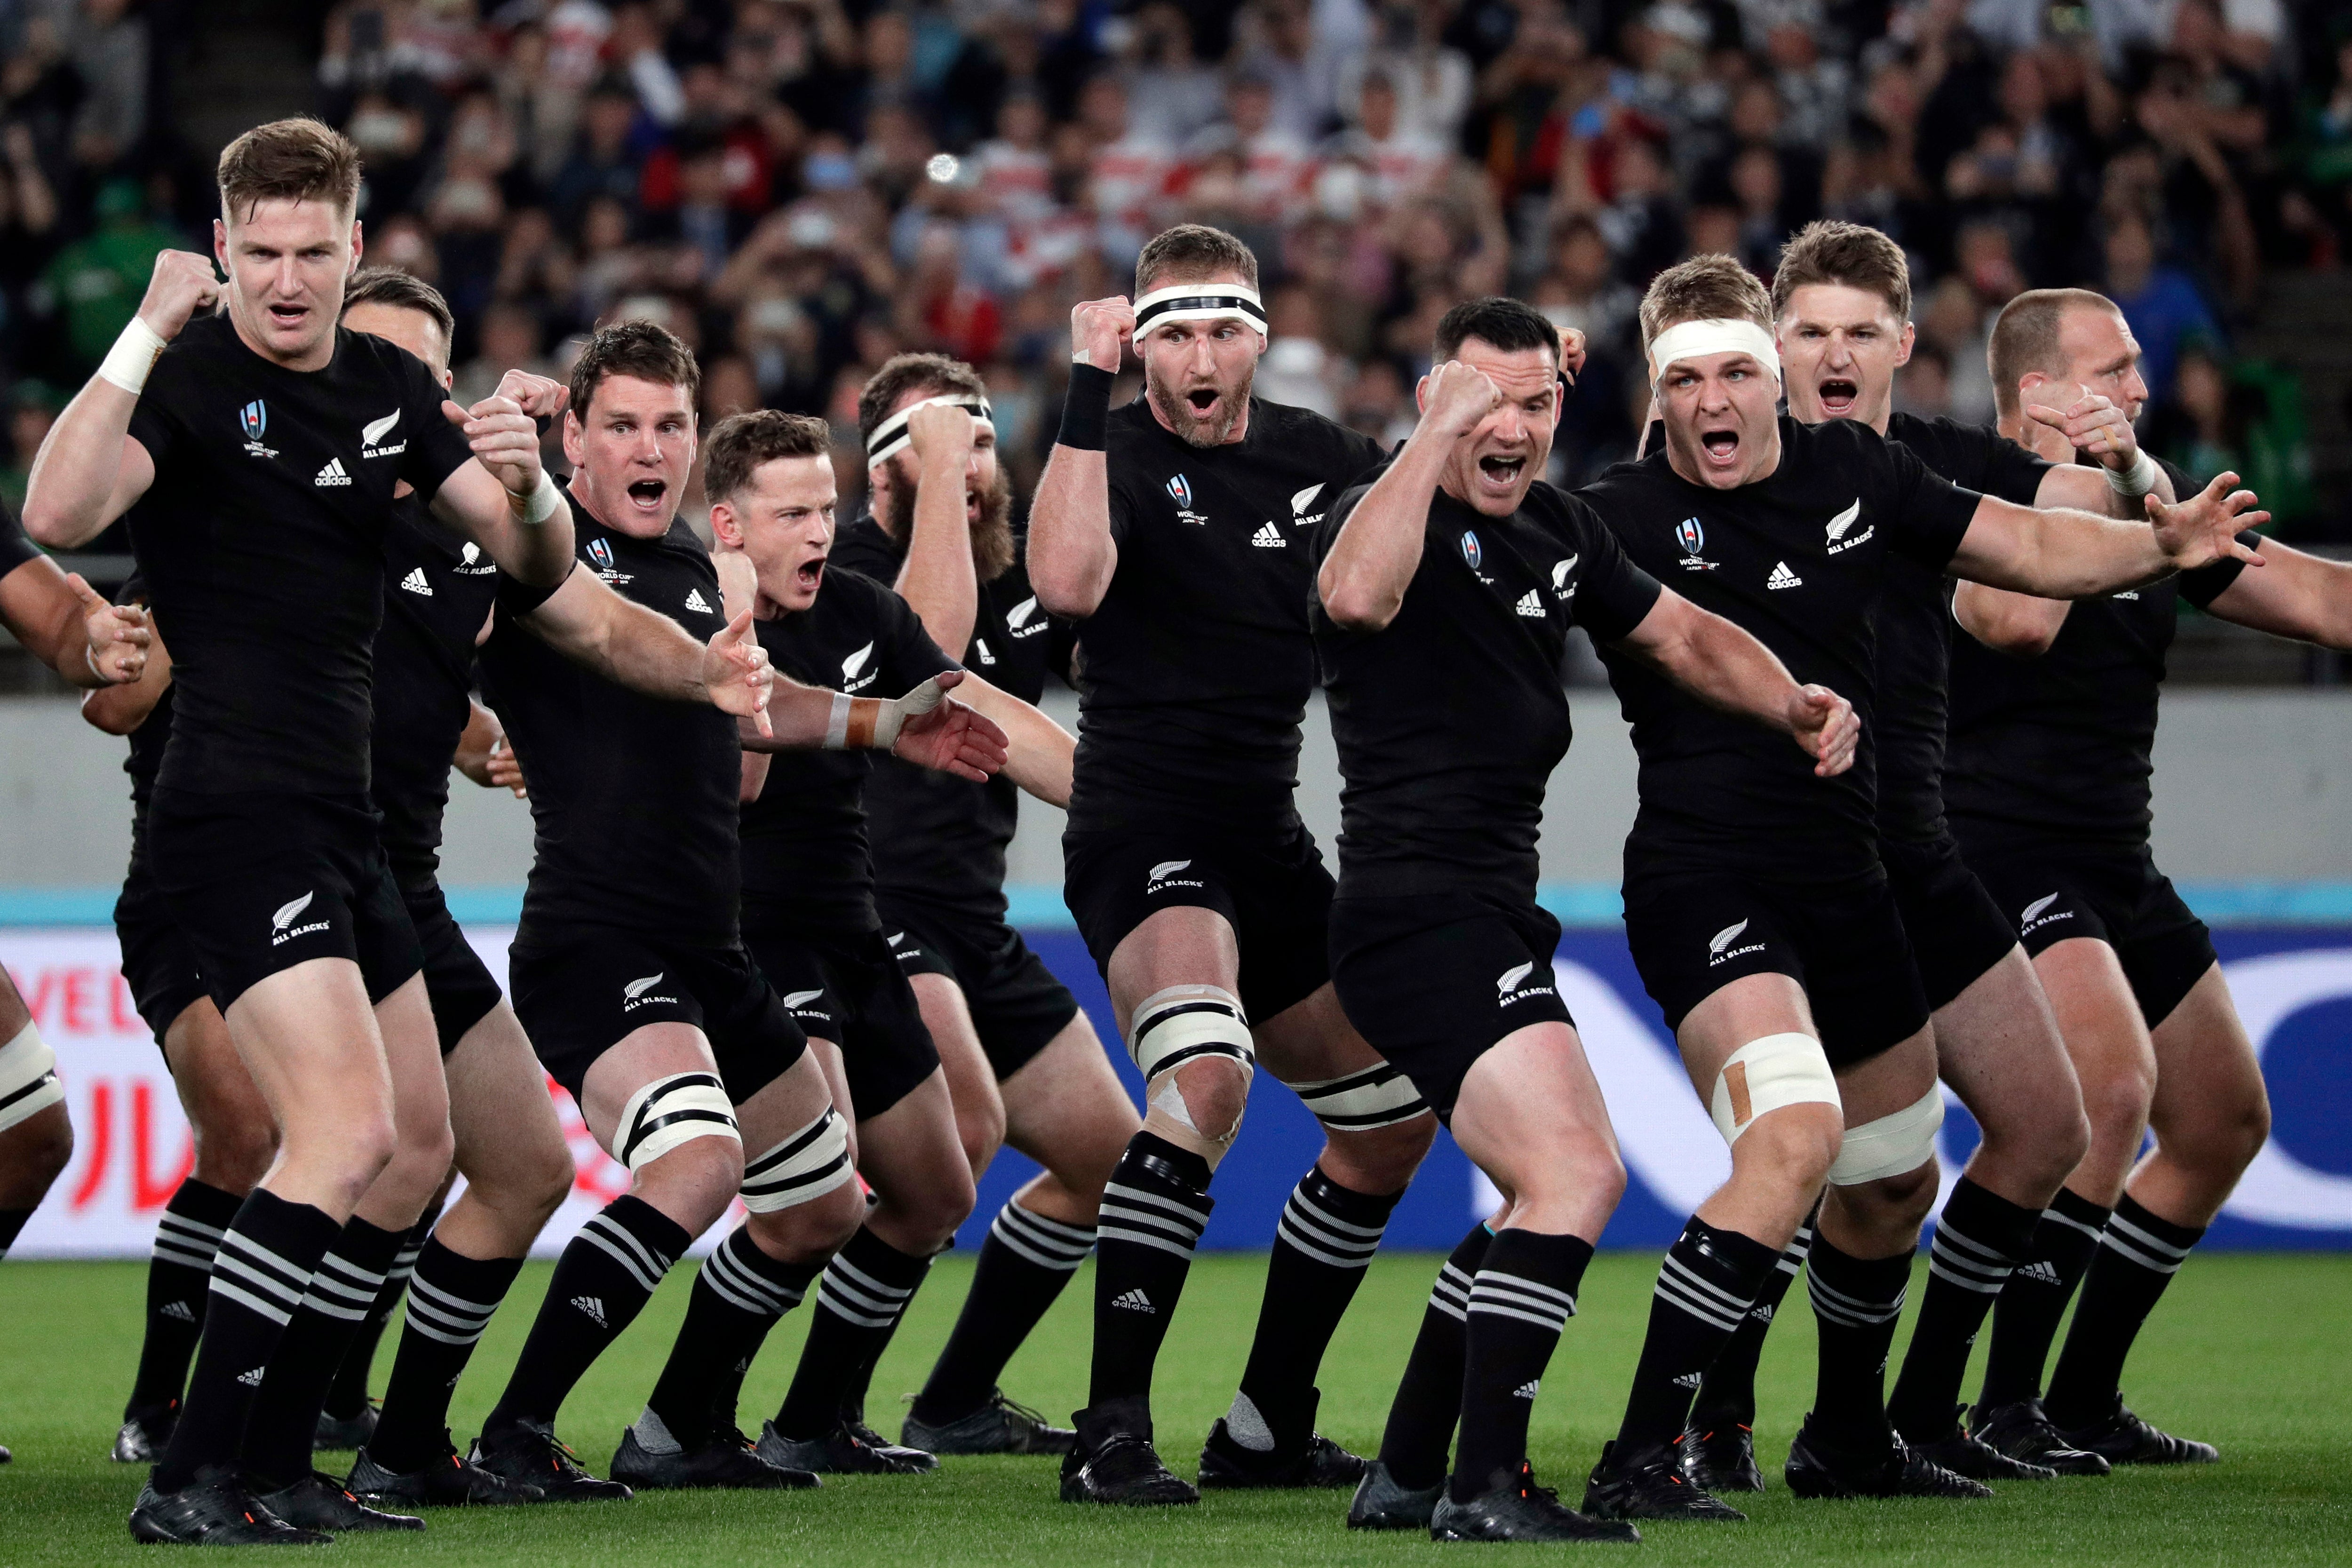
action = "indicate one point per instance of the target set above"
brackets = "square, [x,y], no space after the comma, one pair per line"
[1756,906]
[2054,719]
[627,968]
[1175,531]
[1022,1063]
[1443,599]
[1842,305]
[271,440]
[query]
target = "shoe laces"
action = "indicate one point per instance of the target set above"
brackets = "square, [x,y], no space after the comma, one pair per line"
[1525,1484]
[1019,1411]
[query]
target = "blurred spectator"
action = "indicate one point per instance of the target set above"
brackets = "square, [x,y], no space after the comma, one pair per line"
[1173,95]
[1297,369]
[510,341]
[1430,82]
[33,407]
[107,42]
[95,284]
[2161,304]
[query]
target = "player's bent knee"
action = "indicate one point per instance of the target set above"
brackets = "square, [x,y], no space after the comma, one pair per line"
[1378,1097]
[801,1168]
[1896,1145]
[1192,1044]
[1384,1159]
[1772,1073]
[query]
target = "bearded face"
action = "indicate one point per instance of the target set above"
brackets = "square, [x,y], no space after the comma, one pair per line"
[989,513]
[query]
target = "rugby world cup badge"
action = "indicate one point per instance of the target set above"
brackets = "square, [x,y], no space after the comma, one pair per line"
[256,418]
[1181,491]
[1692,538]
[1472,551]
[599,551]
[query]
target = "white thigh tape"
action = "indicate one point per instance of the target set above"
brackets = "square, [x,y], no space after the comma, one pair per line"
[1765,1075]
[673,1111]
[1892,1144]
[29,1077]
[1174,1025]
[1377,1097]
[808,1164]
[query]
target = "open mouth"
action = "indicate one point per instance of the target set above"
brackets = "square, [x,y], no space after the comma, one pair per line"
[972,505]
[1721,447]
[1501,473]
[1204,401]
[290,315]
[646,495]
[1837,397]
[810,573]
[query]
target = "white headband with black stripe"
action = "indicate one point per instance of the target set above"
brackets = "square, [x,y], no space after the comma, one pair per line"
[1696,340]
[1200,302]
[891,437]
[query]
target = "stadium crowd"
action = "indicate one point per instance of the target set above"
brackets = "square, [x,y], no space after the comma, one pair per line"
[801,189]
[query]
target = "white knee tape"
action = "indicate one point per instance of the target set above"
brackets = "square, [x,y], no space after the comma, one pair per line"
[1175,1026]
[1765,1075]
[1892,1144]
[806,1165]
[29,1077]
[673,1111]
[1377,1097]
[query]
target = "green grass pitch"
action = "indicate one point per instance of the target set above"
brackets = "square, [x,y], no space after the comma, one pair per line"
[2247,1351]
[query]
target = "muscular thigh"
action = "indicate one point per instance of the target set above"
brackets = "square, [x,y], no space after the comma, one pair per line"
[1184,946]
[1311,1040]
[2206,1070]
[637,1058]
[1997,1044]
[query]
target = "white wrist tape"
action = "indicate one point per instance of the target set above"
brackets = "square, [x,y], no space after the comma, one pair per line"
[804,1166]
[1717,335]
[2135,481]
[1892,1144]
[673,1111]
[836,723]
[132,357]
[543,503]
[1766,1074]
[29,1077]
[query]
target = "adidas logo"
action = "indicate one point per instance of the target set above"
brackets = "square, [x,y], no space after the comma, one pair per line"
[415,583]
[1687,1379]
[180,1311]
[1529,605]
[695,601]
[250,1379]
[1782,577]
[332,474]
[1761,1312]
[1266,538]
[1134,1301]
[1528,1389]
[2040,1272]
[591,1308]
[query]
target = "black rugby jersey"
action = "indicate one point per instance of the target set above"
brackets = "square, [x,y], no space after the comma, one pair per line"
[17,546]
[938,840]
[1450,721]
[437,592]
[1798,559]
[1194,672]
[2058,748]
[631,796]
[805,863]
[264,548]
[1915,626]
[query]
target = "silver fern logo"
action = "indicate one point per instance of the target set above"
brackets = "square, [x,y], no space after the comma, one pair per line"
[1725,937]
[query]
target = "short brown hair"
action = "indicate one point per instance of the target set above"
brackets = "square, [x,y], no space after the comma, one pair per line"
[1506,324]
[646,349]
[299,159]
[1190,252]
[402,290]
[2025,338]
[742,442]
[902,373]
[1852,255]
[1704,289]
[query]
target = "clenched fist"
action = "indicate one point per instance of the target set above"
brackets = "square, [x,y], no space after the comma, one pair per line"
[182,284]
[1098,329]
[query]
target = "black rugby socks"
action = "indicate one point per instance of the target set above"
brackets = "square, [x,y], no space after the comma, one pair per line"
[346,1396]
[1727,1395]
[450,1302]
[1322,1245]
[1154,1209]
[1024,1265]
[12,1225]
[1704,1289]
[285,1416]
[2139,1255]
[1523,1295]
[2025,1318]
[738,1297]
[1977,1242]
[866,1288]
[1420,1431]
[606,1275]
[1856,1305]
[259,1277]
[179,1280]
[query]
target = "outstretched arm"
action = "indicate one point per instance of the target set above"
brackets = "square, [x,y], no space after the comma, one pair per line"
[2075,556]
[1039,754]
[2300,596]
[1724,666]
[924,727]
[1072,555]
[646,651]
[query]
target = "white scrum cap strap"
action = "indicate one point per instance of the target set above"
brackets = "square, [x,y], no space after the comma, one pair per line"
[808,1164]
[1892,1144]
[673,1111]
[1720,335]
[29,1077]
[1766,1074]
[1201,302]
[891,437]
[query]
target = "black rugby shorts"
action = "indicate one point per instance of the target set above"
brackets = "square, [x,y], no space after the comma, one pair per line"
[158,963]
[260,882]
[1434,982]
[1956,931]
[1276,895]
[582,991]
[457,982]
[847,989]
[2117,897]
[1693,933]
[1017,1007]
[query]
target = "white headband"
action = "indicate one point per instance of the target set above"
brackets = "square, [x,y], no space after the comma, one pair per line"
[891,437]
[1201,302]
[1694,340]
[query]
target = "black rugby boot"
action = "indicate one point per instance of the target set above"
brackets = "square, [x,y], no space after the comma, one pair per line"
[1720,1457]
[1816,1468]
[840,1452]
[2121,1437]
[532,1454]
[2023,1431]
[1381,1504]
[1000,1426]
[216,1508]
[1518,1509]
[727,1460]
[1227,1465]
[1651,1484]
[449,1482]
[319,1501]
[1114,1461]
[1966,1455]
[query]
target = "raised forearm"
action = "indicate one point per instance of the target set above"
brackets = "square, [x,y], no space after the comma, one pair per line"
[88,470]
[938,579]
[1071,552]
[476,505]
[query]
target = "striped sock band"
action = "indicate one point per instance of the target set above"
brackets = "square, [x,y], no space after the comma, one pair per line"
[1704,1286]
[2136,1258]
[1529,1301]
[1047,1243]
[1856,1304]
[1451,1294]
[1166,1221]
[257,1278]
[185,1242]
[1154,1209]
[1977,1243]
[1310,1224]
[1522,1296]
